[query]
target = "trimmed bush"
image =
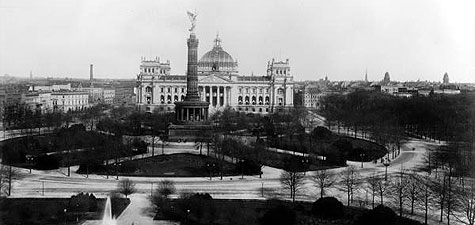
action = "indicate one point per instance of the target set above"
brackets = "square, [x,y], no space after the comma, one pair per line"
[379,215]
[47,162]
[328,208]
[280,215]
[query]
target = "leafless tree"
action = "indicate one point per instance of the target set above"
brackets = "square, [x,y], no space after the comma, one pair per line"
[166,188]
[414,184]
[466,203]
[7,175]
[382,187]
[126,187]
[398,189]
[372,185]
[349,182]
[323,179]
[292,181]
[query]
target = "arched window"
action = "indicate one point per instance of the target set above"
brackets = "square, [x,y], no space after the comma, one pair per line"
[162,99]
[261,100]
[148,89]
[169,99]
[253,100]
[267,100]
[182,98]
[240,100]
[175,98]
[247,100]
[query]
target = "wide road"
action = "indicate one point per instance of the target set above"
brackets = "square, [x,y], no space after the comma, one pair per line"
[55,183]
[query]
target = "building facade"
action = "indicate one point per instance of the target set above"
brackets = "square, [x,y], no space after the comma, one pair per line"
[219,84]
[69,100]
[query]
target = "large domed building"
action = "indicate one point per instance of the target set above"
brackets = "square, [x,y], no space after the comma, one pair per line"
[217,60]
[218,84]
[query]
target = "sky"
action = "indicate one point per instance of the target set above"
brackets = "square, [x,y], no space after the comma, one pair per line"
[341,39]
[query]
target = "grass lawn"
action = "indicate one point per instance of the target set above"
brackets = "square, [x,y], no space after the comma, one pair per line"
[371,150]
[175,165]
[250,212]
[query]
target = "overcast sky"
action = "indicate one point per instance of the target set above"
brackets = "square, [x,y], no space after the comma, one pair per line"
[411,39]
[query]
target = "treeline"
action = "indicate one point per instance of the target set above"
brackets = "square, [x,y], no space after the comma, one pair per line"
[440,117]
[137,123]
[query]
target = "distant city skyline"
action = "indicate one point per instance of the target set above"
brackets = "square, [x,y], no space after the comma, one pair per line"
[340,39]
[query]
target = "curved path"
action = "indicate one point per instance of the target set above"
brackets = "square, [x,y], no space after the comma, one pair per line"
[56,184]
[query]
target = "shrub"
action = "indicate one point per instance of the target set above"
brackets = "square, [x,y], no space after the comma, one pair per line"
[47,162]
[280,215]
[379,215]
[321,133]
[248,167]
[328,208]
[82,203]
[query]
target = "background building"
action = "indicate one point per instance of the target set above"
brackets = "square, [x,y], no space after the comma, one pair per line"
[219,84]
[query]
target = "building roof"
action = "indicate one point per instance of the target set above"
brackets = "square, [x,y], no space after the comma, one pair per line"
[217,59]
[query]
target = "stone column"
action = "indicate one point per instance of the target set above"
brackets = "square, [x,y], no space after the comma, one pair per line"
[218,96]
[225,96]
[211,97]
[192,70]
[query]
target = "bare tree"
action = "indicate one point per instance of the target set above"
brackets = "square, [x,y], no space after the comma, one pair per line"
[7,175]
[126,187]
[323,179]
[292,181]
[466,203]
[165,188]
[382,187]
[372,185]
[349,182]
[413,188]
[398,189]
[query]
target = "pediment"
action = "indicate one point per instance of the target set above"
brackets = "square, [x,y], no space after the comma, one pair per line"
[215,79]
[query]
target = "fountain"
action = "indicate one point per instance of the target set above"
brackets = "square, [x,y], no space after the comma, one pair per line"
[107,218]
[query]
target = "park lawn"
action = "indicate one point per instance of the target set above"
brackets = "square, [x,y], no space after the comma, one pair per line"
[250,212]
[309,145]
[175,165]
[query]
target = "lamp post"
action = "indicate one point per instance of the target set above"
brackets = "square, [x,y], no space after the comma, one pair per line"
[242,169]
[210,169]
[29,158]
[386,164]
[262,189]
[362,155]
[65,210]
[304,163]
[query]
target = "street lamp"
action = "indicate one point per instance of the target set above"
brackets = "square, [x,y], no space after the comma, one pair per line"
[386,164]
[65,210]
[262,189]
[242,169]
[30,159]
[210,167]
[305,162]
[362,155]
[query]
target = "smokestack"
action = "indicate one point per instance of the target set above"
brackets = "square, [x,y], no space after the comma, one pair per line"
[91,74]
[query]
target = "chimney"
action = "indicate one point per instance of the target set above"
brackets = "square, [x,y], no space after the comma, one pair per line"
[91,77]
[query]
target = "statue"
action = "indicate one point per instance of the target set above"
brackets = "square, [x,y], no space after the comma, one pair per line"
[192,17]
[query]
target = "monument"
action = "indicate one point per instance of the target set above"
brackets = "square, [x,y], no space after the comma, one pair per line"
[192,113]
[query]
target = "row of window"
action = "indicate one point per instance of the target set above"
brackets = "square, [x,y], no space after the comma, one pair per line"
[261,90]
[253,109]
[254,90]
[152,70]
[280,71]
[150,89]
